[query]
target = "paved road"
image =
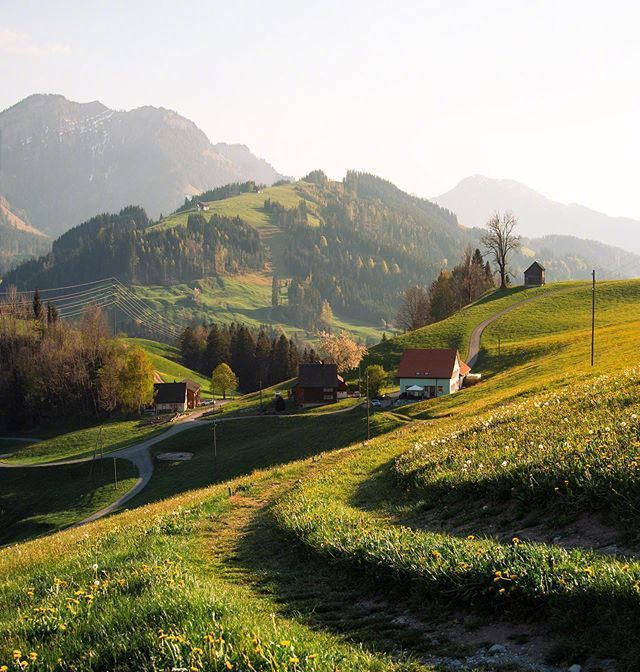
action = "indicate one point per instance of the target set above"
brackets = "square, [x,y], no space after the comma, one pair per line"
[476,334]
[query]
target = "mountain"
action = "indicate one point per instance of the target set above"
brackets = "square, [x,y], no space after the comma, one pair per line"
[18,239]
[475,198]
[62,161]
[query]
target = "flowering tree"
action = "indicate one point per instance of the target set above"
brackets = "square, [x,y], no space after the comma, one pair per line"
[341,349]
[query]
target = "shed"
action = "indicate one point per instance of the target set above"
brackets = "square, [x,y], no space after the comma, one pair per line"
[534,275]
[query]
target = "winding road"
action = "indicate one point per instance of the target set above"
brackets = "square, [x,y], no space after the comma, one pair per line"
[476,334]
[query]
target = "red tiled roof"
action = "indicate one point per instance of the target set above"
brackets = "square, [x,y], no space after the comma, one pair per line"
[430,363]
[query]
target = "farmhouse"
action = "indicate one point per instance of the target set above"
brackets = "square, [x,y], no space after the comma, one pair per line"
[318,384]
[431,372]
[203,207]
[170,397]
[534,275]
[193,393]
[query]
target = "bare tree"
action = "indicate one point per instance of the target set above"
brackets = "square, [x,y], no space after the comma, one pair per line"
[414,310]
[500,240]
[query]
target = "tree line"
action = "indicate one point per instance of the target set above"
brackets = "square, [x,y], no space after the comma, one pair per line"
[51,370]
[258,357]
[127,246]
[449,292]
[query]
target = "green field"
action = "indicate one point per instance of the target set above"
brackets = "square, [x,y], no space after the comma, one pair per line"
[504,514]
[81,442]
[30,506]
[166,361]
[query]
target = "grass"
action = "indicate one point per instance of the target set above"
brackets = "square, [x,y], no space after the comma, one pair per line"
[166,361]
[245,445]
[78,443]
[331,558]
[141,593]
[29,506]
[455,331]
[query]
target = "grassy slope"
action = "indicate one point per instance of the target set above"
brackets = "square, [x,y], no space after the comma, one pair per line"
[165,359]
[75,443]
[29,506]
[247,298]
[251,569]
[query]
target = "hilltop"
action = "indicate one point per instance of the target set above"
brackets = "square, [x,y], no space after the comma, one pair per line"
[64,161]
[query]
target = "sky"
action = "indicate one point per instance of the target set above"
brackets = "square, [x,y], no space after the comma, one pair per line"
[422,93]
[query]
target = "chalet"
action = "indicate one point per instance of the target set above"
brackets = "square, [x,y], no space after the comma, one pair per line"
[318,384]
[203,207]
[534,275]
[193,393]
[170,397]
[431,372]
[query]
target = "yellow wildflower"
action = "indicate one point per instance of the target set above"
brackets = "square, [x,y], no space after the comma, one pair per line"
[17,654]
[33,656]
[294,659]
[228,665]
[285,642]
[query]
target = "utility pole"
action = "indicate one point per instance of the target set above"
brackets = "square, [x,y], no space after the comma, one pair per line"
[593,314]
[115,472]
[368,409]
[498,345]
[215,446]
[260,383]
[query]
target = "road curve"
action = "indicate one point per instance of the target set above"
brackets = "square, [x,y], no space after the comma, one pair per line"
[476,334]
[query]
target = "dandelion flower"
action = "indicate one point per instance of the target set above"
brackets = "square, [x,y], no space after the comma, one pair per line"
[285,642]
[33,656]
[17,654]
[95,566]
[294,659]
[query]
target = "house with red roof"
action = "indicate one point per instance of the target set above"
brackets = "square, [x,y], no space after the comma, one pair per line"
[431,372]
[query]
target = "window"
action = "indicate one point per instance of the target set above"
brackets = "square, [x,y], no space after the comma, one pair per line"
[440,389]
[328,397]
[328,389]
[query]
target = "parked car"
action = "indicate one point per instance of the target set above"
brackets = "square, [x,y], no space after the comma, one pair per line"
[375,403]
[357,394]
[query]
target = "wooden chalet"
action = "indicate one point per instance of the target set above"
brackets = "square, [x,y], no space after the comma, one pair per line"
[431,372]
[318,384]
[170,397]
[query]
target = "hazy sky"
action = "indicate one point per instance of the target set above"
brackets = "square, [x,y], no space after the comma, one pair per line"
[422,93]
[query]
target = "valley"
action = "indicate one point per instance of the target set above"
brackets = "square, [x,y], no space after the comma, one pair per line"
[436,536]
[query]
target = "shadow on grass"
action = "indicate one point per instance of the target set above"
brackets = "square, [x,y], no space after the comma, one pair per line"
[245,445]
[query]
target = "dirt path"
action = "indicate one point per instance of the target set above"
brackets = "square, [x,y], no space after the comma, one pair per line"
[476,334]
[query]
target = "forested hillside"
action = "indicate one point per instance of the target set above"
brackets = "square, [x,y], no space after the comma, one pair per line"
[308,255]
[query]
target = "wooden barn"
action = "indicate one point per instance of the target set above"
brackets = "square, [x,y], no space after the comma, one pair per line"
[170,397]
[193,393]
[318,384]
[534,275]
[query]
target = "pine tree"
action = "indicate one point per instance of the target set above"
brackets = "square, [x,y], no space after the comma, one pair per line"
[38,310]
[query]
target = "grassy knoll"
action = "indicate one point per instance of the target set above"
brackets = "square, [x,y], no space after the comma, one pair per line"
[74,443]
[166,361]
[30,503]
[455,331]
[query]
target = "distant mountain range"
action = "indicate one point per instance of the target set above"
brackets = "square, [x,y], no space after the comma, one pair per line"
[18,239]
[475,198]
[62,162]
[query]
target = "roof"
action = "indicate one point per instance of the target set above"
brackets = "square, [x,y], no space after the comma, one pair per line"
[430,363]
[192,386]
[535,266]
[169,393]
[319,375]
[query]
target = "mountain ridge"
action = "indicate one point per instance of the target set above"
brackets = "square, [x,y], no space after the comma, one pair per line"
[474,199]
[64,161]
